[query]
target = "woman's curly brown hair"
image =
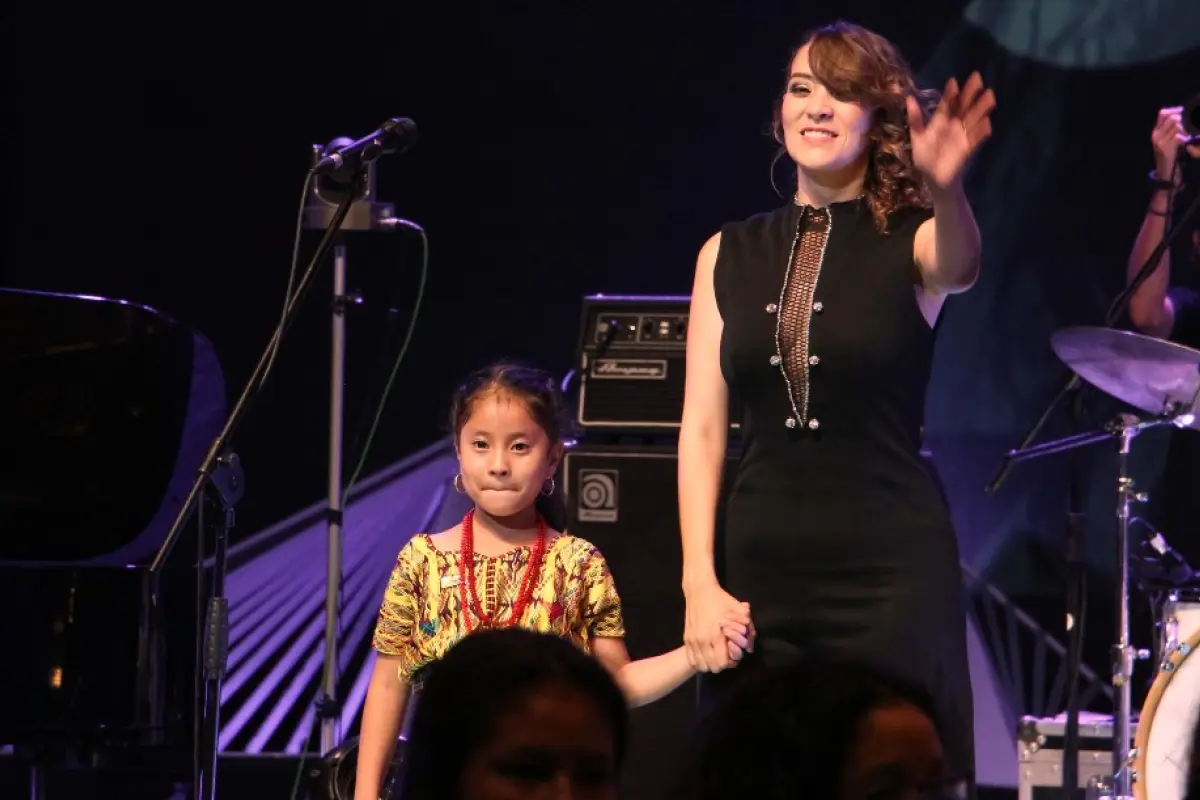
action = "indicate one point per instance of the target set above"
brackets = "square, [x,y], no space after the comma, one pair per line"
[859,66]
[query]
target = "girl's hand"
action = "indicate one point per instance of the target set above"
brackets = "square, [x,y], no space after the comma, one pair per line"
[739,636]
[708,607]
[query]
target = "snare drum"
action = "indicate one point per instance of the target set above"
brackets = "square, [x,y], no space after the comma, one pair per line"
[1180,622]
[1167,725]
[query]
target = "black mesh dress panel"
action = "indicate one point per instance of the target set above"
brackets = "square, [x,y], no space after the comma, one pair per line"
[795,307]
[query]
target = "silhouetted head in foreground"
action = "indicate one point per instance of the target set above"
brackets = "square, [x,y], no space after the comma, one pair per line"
[823,730]
[516,714]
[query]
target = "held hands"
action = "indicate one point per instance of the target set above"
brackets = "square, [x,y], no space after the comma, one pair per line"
[1167,137]
[960,124]
[718,630]
[739,636]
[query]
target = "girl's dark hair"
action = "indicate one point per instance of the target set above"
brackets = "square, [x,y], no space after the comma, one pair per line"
[789,730]
[480,678]
[543,400]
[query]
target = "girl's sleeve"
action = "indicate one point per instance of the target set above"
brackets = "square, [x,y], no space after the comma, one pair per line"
[602,604]
[399,611]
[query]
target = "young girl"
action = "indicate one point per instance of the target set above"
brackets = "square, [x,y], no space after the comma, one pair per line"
[505,564]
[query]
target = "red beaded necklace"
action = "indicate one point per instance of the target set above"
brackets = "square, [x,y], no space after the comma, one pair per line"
[466,577]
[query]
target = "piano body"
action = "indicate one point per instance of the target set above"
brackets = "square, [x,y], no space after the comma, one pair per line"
[107,409]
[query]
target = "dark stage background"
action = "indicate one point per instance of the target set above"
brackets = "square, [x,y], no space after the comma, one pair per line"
[156,153]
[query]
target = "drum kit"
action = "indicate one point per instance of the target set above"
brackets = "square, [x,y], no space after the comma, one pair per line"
[1162,379]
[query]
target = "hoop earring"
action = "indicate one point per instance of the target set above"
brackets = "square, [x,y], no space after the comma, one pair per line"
[458,484]
[779,156]
[546,492]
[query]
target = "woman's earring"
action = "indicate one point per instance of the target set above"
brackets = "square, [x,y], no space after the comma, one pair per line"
[548,490]
[458,484]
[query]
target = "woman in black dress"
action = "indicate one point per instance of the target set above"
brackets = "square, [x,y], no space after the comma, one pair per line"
[818,319]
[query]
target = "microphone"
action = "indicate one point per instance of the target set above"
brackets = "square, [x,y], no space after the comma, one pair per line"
[1174,567]
[1166,564]
[394,136]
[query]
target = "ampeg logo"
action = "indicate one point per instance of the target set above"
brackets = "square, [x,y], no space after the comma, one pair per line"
[641,369]
[597,495]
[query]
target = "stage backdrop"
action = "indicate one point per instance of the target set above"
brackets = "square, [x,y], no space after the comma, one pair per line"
[157,155]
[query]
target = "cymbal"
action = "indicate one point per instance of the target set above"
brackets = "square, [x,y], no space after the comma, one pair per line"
[1143,371]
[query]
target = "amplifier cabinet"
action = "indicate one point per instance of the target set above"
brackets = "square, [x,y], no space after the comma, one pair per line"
[632,353]
[624,501]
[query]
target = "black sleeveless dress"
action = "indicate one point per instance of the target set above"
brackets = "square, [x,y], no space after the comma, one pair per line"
[833,529]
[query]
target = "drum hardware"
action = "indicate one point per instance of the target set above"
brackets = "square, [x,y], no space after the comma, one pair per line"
[1124,428]
[1100,373]
[1170,644]
[1159,567]
[1168,726]
[1098,789]
[1162,379]
[1180,622]
[1163,574]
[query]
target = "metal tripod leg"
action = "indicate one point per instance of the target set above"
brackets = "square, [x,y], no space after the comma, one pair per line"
[1123,654]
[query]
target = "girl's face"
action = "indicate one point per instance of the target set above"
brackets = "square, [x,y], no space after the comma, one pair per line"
[505,458]
[556,744]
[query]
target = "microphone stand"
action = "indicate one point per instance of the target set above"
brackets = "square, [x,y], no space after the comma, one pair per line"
[1076,581]
[214,623]
[365,214]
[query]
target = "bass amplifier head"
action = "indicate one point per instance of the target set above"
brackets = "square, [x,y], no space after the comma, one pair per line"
[632,354]
[632,351]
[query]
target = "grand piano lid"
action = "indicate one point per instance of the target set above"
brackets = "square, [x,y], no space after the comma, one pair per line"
[107,409]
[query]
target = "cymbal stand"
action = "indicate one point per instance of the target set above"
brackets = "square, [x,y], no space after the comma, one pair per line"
[1124,428]
[1072,385]
[1123,654]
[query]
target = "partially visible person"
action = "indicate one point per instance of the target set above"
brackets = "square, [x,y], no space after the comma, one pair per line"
[512,714]
[1167,306]
[1162,307]
[834,730]
[818,318]
[507,564]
